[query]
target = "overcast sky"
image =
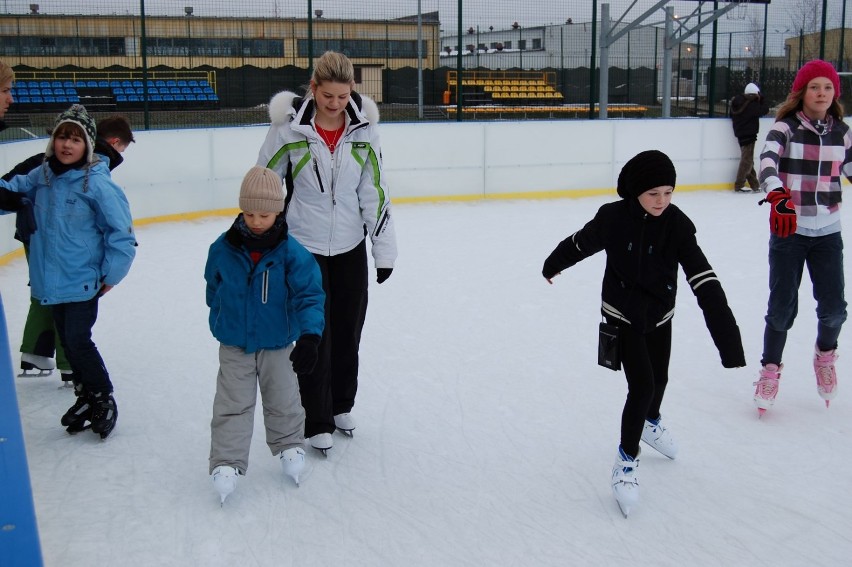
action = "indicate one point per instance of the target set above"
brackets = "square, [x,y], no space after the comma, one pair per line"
[484,13]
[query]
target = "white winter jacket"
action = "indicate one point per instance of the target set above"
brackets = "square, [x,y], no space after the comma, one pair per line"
[336,199]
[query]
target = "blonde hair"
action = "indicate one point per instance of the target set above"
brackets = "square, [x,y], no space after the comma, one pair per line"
[795,102]
[7,74]
[334,67]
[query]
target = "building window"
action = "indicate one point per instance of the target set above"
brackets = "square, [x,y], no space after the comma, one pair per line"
[536,43]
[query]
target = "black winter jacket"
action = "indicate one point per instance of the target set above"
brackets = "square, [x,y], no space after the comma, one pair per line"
[640,280]
[746,111]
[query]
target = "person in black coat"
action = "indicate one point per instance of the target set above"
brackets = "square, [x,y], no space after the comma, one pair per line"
[646,238]
[746,110]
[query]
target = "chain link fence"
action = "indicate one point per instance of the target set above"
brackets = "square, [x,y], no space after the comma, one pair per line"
[217,62]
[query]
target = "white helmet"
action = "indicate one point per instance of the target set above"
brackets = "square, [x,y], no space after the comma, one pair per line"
[751,88]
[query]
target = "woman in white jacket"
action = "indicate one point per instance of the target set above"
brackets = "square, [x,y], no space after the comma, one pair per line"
[326,147]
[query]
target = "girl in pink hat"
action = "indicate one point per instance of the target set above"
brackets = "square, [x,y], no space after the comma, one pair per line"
[806,152]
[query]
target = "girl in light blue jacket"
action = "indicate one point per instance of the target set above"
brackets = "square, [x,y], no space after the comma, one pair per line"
[82,247]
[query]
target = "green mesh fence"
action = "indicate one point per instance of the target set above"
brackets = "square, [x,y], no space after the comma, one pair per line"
[204,63]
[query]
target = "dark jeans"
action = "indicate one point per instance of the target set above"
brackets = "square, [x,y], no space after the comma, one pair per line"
[74,322]
[330,389]
[645,358]
[787,258]
[745,171]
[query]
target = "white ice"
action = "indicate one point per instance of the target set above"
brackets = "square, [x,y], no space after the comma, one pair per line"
[486,431]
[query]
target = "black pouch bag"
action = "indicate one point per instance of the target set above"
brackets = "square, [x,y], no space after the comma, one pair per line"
[608,353]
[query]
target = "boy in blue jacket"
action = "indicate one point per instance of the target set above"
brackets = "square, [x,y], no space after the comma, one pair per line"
[264,291]
[82,246]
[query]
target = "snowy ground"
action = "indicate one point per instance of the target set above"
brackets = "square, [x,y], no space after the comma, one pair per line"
[486,431]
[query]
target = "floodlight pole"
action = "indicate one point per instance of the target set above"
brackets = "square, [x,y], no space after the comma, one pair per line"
[822,30]
[667,64]
[419,62]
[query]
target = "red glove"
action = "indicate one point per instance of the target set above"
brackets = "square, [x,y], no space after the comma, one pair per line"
[782,215]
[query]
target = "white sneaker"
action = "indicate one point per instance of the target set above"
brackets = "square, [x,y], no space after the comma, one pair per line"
[658,437]
[345,423]
[293,462]
[322,442]
[625,481]
[225,480]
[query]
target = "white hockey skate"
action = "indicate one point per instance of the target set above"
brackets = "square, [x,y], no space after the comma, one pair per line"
[625,481]
[322,442]
[34,366]
[660,438]
[293,462]
[225,481]
[345,423]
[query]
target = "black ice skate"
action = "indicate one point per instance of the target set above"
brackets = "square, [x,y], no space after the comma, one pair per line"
[104,413]
[77,415]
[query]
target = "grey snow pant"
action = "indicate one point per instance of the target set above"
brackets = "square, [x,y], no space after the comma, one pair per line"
[236,396]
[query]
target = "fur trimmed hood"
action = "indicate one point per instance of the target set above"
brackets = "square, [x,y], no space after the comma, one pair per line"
[283,105]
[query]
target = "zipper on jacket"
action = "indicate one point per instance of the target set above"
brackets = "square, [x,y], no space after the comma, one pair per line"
[319,179]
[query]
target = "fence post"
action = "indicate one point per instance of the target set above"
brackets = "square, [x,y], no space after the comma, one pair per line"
[19,542]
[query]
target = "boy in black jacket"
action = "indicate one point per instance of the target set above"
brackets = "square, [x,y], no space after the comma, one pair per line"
[645,239]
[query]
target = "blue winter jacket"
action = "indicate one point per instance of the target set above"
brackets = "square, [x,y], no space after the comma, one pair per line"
[85,235]
[267,305]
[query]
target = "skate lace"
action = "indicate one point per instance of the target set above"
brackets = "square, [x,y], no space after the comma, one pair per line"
[767,388]
[825,376]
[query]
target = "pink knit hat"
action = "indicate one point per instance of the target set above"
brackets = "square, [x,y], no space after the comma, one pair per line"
[814,69]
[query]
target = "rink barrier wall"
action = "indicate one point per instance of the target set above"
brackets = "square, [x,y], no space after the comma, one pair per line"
[174,175]
[19,539]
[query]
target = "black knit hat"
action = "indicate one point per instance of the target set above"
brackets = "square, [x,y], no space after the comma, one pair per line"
[644,171]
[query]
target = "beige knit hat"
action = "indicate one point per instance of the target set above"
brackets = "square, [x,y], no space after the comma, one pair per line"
[262,191]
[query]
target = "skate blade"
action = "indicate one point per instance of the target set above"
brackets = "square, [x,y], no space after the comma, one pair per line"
[323,451]
[625,509]
[347,432]
[75,429]
[36,373]
[760,412]
[827,402]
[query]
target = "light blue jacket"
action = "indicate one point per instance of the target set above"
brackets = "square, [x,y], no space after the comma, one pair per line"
[267,305]
[85,235]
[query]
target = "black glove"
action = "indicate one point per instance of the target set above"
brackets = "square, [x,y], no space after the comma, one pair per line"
[304,355]
[382,274]
[25,223]
[11,200]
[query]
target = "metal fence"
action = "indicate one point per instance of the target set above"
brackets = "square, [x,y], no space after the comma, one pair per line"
[217,62]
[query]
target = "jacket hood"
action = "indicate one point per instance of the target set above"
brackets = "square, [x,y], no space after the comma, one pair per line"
[283,105]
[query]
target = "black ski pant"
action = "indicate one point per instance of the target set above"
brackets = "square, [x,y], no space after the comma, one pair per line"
[645,358]
[330,389]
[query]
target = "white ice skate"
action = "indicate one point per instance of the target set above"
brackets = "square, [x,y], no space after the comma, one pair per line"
[293,462]
[660,438]
[625,481]
[345,423]
[225,481]
[322,442]
[33,365]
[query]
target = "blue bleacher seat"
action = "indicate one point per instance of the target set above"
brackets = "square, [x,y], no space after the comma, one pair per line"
[201,96]
[92,84]
[36,100]
[203,83]
[191,98]
[103,83]
[121,98]
[50,99]
[59,92]
[68,84]
[114,84]
[197,90]
[24,100]
[192,83]
[137,84]
[182,83]
[62,99]
[71,91]
[185,90]
[20,92]
[180,98]
[73,99]
[156,98]
[171,83]
[44,84]
[174,90]
[168,98]
[208,90]
[160,84]
[134,98]
[35,91]
[117,91]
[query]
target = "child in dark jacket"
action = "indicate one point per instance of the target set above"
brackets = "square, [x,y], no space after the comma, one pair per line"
[746,110]
[264,291]
[645,239]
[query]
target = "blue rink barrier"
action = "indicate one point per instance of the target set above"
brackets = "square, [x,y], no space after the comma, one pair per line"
[19,542]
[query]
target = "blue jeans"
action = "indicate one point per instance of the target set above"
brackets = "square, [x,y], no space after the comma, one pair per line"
[787,258]
[74,322]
